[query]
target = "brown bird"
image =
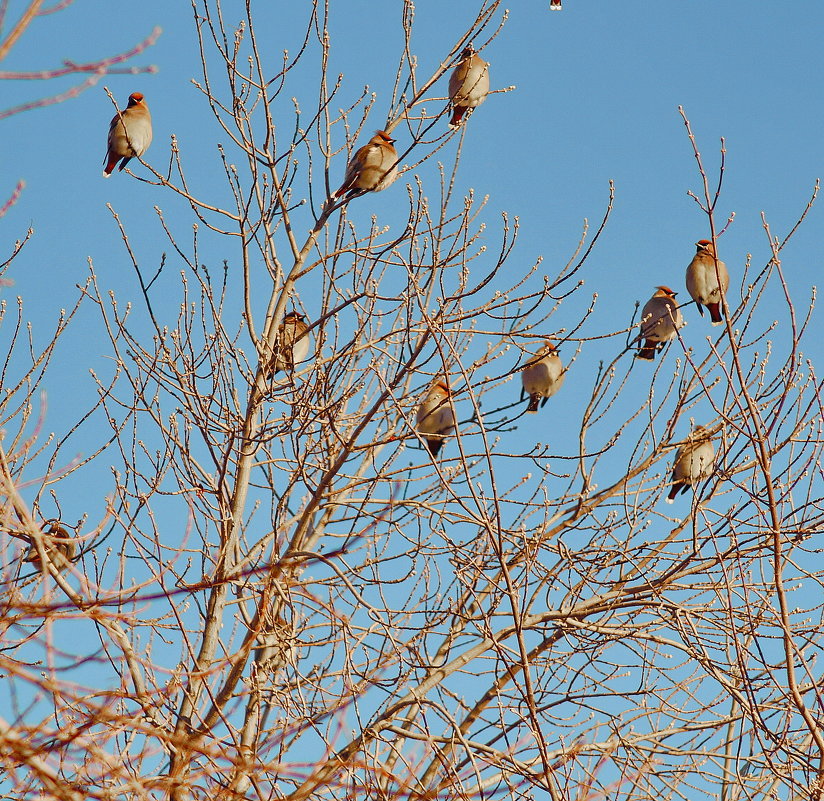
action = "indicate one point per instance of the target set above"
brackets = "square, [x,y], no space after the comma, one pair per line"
[705,274]
[130,134]
[543,376]
[660,321]
[554,5]
[468,84]
[436,417]
[59,546]
[293,343]
[372,168]
[693,462]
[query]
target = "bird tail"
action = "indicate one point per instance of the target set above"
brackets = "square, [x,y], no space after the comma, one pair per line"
[457,116]
[676,488]
[715,313]
[534,399]
[348,190]
[647,352]
[701,308]
[434,446]
[111,163]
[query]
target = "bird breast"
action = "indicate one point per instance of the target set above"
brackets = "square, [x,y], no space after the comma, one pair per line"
[131,135]
[435,415]
[661,318]
[378,168]
[545,377]
[702,280]
[694,462]
[469,83]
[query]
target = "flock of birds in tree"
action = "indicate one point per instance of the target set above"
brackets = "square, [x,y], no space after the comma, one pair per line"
[372,168]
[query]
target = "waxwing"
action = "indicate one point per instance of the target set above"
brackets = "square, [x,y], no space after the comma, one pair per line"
[693,462]
[130,134]
[660,321]
[372,168]
[292,346]
[703,280]
[436,417]
[554,5]
[543,376]
[468,84]
[59,546]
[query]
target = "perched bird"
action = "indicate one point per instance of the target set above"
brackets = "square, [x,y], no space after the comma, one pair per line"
[293,343]
[554,5]
[704,274]
[372,168]
[130,134]
[693,462]
[660,321]
[468,84]
[58,545]
[436,417]
[543,376]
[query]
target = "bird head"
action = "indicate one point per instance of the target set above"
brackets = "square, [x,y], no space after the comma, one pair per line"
[705,246]
[384,137]
[135,98]
[665,291]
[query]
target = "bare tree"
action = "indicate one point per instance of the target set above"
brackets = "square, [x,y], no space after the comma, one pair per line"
[300,601]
